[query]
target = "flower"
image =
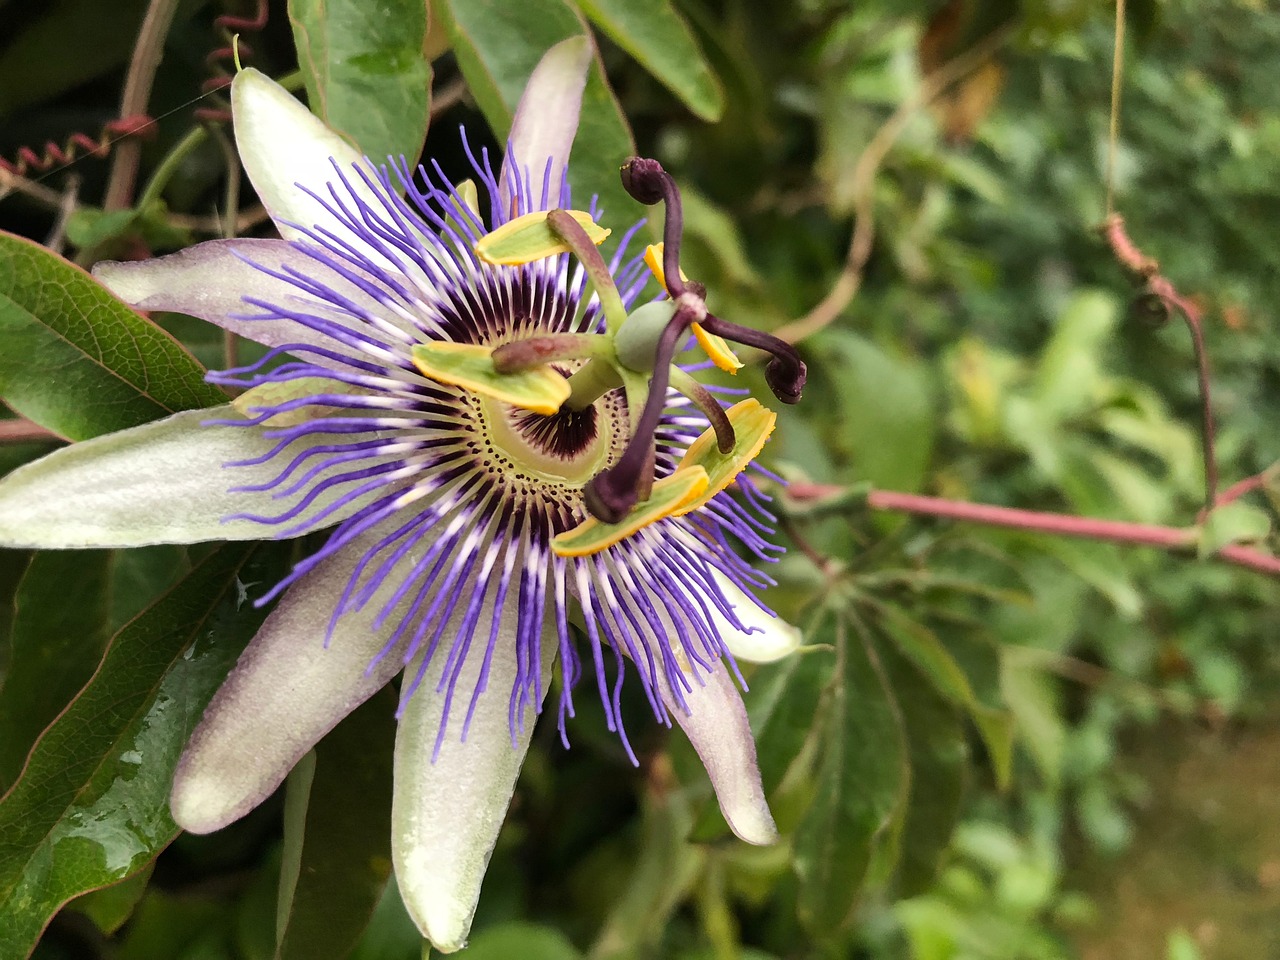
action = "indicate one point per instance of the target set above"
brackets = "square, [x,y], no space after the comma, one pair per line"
[496,453]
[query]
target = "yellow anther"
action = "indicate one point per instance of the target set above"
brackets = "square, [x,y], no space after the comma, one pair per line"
[470,366]
[752,424]
[717,348]
[669,495]
[530,237]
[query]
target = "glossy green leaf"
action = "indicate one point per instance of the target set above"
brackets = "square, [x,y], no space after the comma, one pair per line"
[365,72]
[77,360]
[338,836]
[91,806]
[656,35]
[55,645]
[498,44]
[939,755]
[862,785]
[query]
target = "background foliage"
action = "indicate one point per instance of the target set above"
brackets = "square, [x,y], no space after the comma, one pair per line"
[984,719]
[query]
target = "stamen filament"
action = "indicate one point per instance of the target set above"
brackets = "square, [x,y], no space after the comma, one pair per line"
[711,409]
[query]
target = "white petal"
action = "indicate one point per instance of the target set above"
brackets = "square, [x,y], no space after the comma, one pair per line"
[446,815]
[546,121]
[284,694]
[770,637]
[211,280]
[283,144]
[716,724]
[162,482]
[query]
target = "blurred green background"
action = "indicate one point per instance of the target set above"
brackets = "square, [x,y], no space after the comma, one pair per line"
[1000,744]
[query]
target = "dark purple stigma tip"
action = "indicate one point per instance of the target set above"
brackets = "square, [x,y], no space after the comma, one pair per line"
[644,180]
[605,501]
[786,378]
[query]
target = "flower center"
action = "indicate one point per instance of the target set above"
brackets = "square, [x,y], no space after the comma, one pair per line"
[566,448]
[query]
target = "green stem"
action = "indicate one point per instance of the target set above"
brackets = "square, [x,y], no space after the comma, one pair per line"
[591,383]
[169,166]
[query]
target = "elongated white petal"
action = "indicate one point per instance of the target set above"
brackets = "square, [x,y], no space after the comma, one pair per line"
[284,694]
[545,122]
[716,724]
[162,482]
[283,144]
[446,815]
[211,280]
[769,639]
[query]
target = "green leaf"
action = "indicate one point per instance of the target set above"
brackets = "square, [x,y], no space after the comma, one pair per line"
[781,704]
[498,43]
[55,645]
[922,647]
[339,835]
[78,361]
[939,767]
[528,941]
[111,906]
[888,421]
[1234,522]
[91,806]
[365,72]
[655,34]
[1033,700]
[862,789]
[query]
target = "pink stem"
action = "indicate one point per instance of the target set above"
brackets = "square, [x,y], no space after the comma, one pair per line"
[1113,531]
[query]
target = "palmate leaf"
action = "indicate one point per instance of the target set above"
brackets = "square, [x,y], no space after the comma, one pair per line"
[78,361]
[939,754]
[862,787]
[365,72]
[91,804]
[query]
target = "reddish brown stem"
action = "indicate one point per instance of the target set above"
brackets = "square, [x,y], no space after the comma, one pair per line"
[1240,488]
[1145,269]
[20,430]
[1113,531]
